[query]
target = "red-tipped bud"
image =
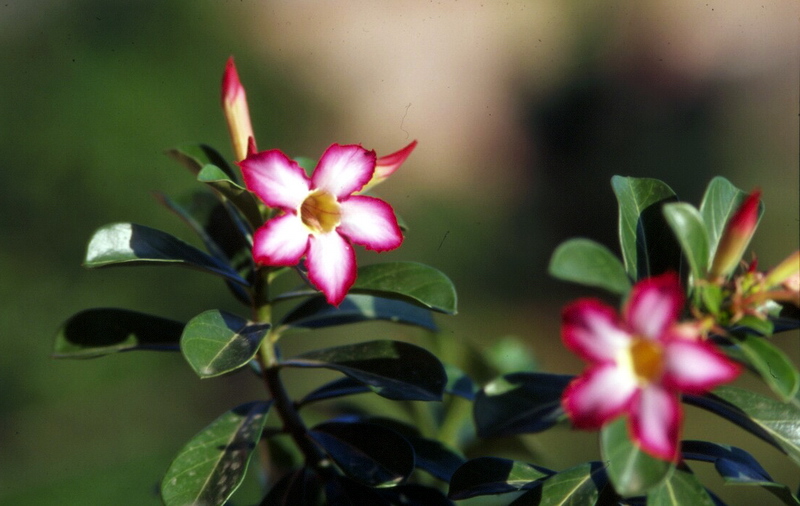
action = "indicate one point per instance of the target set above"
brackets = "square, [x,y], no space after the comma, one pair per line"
[736,237]
[237,114]
[386,165]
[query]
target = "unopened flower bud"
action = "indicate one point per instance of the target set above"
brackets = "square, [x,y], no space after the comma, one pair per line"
[736,237]
[237,114]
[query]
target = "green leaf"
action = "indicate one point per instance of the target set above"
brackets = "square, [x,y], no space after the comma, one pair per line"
[408,281]
[435,457]
[680,489]
[245,201]
[368,453]
[317,313]
[216,342]
[578,485]
[195,156]
[97,332]
[589,263]
[772,364]
[519,403]
[632,471]
[122,244]
[494,475]
[392,369]
[688,226]
[780,421]
[720,201]
[213,464]
[648,247]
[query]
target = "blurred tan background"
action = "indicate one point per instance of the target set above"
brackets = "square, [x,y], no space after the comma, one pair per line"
[523,111]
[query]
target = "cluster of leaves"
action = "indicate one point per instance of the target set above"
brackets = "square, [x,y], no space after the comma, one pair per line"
[360,457]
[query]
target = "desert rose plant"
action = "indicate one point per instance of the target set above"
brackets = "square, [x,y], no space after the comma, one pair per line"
[695,313]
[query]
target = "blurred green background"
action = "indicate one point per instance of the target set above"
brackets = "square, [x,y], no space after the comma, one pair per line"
[523,112]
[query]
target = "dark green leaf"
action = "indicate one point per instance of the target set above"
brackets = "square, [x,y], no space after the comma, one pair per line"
[690,230]
[681,488]
[96,332]
[409,281]
[317,313]
[632,471]
[216,342]
[737,467]
[212,465]
[337,388]
[301,487]
[589,263]
[392,369]
[368,453]
[519,403]
[122,244]
[494,475]
[772,364]
[720,201]
[577,486]
[195,156]
[245,201]
[648,247]
[435,457]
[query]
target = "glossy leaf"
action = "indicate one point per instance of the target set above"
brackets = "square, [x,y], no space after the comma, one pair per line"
[772,364]
[392,369]
[681,488]
[213,464]
[577,486]
[368,453]
[245,201]
[720,201]
[337,388]
[121,244]
[216,342]
[737,467]
[648,247]
[301,487]
[408,281]
[97,332]
[317,313]
[632,471]
[589,263]
[690,230]
[519,403]
[494,475]
[196,156]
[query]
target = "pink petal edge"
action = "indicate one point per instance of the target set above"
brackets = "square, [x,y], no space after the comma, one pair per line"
[590,329]
[331,264]
[343,170]
[655,421]
[281,241]
[597,396]
[654,304]
[696,366]
[370,222]
[277,180]
[386,165]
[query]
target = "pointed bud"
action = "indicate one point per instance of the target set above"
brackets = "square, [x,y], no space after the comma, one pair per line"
[234,104]
[738,232]
[386,165]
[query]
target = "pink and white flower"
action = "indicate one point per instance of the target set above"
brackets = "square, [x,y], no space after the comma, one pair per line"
[320,216]
[639,363]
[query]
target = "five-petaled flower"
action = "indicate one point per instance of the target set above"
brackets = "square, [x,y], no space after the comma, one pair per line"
[639,363]
[320,216]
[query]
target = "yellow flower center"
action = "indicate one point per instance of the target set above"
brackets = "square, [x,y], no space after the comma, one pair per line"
[647,359]
[320,212]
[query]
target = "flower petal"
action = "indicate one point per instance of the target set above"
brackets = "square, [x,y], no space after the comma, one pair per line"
[386,165]
[280,241]
[370,222]
[276,179]
[598,395]
[331,265]
[655,421]
[654,304]
[590,329]
[343,170]
[696,366]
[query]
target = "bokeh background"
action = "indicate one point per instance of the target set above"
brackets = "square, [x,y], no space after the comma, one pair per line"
[523,111]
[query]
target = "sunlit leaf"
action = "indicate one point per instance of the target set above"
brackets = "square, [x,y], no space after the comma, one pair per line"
[245,201]
[96,332]
[519,403]
[690,230]
[772,364]
[681,488]
[589,263]
[632,471]
[317,313]
[577,486]
[122,244]
[392,369]
[368,453]
[720,201]
[195,156]
[494,475]
[648,246]
[216,342]
[409,281]
[213,464]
